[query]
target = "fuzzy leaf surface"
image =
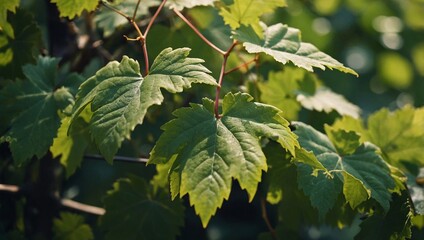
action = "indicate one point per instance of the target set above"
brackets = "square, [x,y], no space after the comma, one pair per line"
[36,102]
[120,96]
[248,12]
[284,44]
[364,173]
[209,152]
[71,227]
[142,213]
[73,8]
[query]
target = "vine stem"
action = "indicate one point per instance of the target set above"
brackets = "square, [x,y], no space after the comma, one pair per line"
[254,60]
[68,203]
[135,10]
[179,14]
[221,78]
[266,219]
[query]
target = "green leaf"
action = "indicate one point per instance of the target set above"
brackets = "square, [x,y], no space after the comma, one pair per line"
[210,152]
[71,227]
[18,51]
[396,224]
[134,211]
[120,96]
[364,173]
[248,12]
[181,4]
[322,190]
[108,20]
[5,7]
[399,134]
[280,91]
[37,100]
[346,142]
[73,8]
[326,100]
[71,147]
[284,44]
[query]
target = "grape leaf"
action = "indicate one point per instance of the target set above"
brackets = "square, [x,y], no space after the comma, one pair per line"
[120,96]
[364,173]
[210,152]
[396,224]
[399,134]
[280,91]
[71,147]
[18,51]
[71,227]
[181,4]
[284,44]
[326,100]
[142,214]
[7,6]
[39,99]
[248,12]
[73,8]
[108,20]
[292,88]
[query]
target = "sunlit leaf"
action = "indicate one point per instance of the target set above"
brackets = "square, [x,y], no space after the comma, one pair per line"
[248,12]
[73,8]
[7,6]
[181,4]
[120,96]
[210,152]
[284,44]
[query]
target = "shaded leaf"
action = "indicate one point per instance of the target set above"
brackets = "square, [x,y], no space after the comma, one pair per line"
[141,213]
[210,152]
[38,100]
[120,96]
[364,173]
[396,224]
[71,227]
[73,8]
[284,44]
[18,51]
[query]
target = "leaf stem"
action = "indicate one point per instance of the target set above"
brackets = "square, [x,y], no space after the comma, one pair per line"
[266,219]
[179,14]
[106,4]
[119,158]
[154,18]
[63,202]
[242,65]
[135,10]
[221,78]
